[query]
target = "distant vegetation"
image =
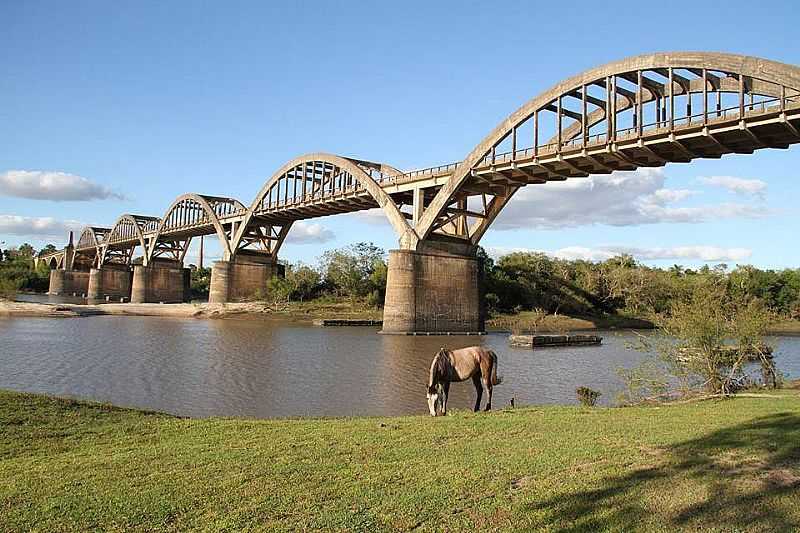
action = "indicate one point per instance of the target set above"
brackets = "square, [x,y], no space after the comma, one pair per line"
[18,273]
[520,281]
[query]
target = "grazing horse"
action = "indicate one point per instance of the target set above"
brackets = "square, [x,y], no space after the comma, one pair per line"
[474,362]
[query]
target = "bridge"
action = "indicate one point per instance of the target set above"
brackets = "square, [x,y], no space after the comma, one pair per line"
[644,111]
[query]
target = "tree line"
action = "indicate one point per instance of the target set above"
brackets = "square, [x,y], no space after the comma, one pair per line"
[514,282]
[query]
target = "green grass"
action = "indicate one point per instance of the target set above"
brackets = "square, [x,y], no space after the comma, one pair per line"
[723,464]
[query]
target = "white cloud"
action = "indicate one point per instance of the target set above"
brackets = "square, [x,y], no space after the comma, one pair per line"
[601,253]
[37,226]
[738,185]
[309,233]
[618,199]
[56,186]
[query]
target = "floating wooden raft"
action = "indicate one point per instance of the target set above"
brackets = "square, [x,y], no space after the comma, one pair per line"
[537,341]
[346,322]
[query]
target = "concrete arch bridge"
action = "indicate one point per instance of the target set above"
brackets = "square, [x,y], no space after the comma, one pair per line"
[643,111]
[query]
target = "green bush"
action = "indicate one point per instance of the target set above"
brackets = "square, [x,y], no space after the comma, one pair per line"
[587,396]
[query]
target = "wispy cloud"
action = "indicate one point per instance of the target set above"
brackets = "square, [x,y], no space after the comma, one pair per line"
[37,226]
[745,186]
[601,253]
[55,186]
[618,199]
[309,233]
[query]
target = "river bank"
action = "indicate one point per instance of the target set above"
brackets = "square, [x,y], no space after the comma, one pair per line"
[524,321]
[74,466]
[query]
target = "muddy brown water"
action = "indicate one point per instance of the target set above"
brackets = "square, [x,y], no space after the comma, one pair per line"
[264,368]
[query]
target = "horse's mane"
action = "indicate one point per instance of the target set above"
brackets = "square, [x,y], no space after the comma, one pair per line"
[440,367]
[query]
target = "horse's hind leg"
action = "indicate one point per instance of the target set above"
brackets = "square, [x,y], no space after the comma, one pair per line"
[476,379]
[487,384]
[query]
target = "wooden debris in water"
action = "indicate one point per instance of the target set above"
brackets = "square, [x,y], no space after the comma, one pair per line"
[542,341]
[326,322]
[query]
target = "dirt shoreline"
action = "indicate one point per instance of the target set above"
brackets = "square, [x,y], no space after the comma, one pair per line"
[308,312]
[186,310]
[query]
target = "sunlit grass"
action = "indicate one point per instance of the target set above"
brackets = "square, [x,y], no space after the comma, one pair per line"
[726,464]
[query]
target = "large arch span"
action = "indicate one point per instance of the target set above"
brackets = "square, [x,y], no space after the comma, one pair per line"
[647,110]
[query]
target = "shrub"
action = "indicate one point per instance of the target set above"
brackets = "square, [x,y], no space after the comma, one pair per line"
[587,396]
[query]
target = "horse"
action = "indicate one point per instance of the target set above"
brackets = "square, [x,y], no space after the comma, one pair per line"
[448,366]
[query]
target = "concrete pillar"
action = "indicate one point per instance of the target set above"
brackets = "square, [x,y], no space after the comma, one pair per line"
[433,293]
[244,278]
[109,282]
[160,283]
[68,282]
[56,282]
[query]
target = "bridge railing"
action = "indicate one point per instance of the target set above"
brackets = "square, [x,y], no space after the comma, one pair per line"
[713,116]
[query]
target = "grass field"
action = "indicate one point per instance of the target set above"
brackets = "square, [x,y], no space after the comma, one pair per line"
[721,464]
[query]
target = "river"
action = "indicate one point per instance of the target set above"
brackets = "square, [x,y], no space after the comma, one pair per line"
[264,368]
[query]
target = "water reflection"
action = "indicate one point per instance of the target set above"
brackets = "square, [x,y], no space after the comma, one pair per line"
[272,368]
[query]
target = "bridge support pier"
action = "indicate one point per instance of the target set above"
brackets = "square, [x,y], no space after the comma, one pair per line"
[109,281]
[68,281]
[243,278]
[432,292]
[166,282]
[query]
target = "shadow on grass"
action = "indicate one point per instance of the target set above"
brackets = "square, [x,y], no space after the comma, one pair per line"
[744,477]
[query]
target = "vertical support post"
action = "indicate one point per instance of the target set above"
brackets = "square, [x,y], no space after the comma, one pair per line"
[783,98]
[536,133]
[558,112]
[462,218]
[608,108]
[494,153]
[201,251]
[705,97]
[614,107]
[303,185]
[286,189]
[639,103]
[741,96]
[514,144]
[418,198]
[584,129]
[671,100]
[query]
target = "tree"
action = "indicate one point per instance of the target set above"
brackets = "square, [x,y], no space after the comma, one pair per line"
[347,270]
[706,340]
[305,281]
[49,248]
[26,250]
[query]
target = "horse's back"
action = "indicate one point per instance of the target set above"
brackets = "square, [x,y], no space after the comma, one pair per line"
[467,361]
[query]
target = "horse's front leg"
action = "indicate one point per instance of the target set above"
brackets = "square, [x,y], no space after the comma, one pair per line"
[476,380]
[446,395]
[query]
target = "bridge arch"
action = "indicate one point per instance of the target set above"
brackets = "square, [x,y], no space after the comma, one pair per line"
[127,228]
[320,175]
[90,243]
[191,210]
[705,73]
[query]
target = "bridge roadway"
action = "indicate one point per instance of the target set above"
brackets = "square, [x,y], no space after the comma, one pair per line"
[640,112]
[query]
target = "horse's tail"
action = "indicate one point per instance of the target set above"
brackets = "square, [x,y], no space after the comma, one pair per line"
[495,380]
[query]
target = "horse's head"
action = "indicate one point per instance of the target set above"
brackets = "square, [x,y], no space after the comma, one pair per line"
[435,399]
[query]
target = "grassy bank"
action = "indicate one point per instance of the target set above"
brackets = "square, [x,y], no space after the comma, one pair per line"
[717,464]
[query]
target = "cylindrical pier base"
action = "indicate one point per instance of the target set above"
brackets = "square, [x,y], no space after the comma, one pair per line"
[241,279]
[160,284]
[432,293]
[68,282]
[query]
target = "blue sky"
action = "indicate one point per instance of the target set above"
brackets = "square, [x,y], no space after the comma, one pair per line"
[149,100]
